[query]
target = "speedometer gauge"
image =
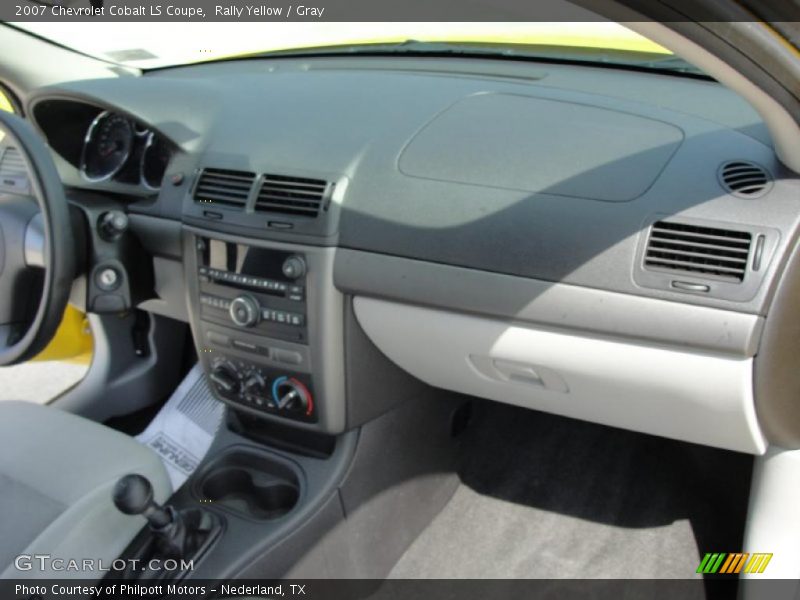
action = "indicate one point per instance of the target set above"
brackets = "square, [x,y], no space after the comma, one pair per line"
[107,146]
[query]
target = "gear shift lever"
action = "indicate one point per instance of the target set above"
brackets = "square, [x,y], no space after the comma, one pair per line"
[177,534]
[133,495]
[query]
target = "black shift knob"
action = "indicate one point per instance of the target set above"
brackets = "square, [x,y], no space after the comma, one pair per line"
[133,495]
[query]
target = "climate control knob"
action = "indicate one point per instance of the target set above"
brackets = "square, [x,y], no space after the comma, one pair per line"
[225,379]
[291,395]
[245,311]
[254,388]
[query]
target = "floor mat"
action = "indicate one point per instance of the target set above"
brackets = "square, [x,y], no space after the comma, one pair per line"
[549,497]
[184,428]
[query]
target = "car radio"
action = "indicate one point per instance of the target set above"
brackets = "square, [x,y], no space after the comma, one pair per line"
[253,312]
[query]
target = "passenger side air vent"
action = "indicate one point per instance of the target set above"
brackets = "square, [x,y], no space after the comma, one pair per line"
[707,251]
[224,187]
[744,179]
[296,196]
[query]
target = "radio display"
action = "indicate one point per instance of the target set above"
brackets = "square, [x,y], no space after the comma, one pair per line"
[241,259]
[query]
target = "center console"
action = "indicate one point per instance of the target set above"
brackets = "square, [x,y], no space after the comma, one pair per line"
[313,450]
[267,323]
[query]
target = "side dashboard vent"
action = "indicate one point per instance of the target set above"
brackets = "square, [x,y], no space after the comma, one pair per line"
[224,187]
[707,251]
[295,196]
[744,179]
[13,172]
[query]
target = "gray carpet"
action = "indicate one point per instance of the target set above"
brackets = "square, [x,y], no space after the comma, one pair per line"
[549,497]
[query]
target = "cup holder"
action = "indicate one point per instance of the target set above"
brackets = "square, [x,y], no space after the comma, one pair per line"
[251,484]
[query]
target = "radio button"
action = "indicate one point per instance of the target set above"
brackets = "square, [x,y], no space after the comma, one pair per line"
[218,338]
[246,346]
[286,356]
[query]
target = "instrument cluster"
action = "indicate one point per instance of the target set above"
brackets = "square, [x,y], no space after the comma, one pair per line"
[120,149]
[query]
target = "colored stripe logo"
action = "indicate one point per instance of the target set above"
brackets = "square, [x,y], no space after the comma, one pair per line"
[732,563]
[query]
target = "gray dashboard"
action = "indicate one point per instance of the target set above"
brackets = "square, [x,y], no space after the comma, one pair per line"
[592,203]
[490,171]
[512,169]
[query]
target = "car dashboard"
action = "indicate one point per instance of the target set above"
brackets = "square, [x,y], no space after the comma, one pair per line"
[595,242]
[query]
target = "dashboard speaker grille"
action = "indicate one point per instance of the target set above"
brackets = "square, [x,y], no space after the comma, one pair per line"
[744,179]
[224,187]
[296,196]
[716,253]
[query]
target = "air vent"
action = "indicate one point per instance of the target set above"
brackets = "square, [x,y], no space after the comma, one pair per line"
[745,179]
[13,172]
[711,252]
[296,196]
[12,164]
[224,187]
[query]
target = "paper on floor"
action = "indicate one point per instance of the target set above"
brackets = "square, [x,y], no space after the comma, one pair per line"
[184,428]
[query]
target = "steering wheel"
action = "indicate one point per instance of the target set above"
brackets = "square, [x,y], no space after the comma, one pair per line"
[37,251]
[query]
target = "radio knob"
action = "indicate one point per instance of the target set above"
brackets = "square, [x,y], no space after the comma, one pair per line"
[245,311]
[294,267]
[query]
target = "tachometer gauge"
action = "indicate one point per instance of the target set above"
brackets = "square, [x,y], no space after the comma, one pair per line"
[155,159]
[107,146]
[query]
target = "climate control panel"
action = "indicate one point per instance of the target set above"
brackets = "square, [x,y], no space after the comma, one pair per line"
[263,389]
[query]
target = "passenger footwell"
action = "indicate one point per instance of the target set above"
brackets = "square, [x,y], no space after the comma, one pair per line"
[549,497]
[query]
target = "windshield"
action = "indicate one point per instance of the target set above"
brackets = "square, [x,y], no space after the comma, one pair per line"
[152,45]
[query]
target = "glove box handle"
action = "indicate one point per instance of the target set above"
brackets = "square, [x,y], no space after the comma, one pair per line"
[511,371]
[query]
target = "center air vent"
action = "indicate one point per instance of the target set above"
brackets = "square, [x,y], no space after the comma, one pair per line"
[744,179]
[707,251]
[224,187]
[296,196]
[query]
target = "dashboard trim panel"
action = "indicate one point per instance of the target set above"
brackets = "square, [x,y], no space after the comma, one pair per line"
[548,304]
